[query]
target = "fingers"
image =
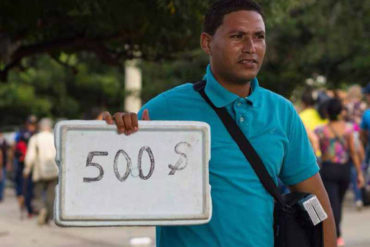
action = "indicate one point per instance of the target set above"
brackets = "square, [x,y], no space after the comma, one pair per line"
[145,115]
[107,117]
[129,123]
[126,122]
[118,118]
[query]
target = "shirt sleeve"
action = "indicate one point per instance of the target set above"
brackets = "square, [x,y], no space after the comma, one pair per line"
[300,161]
[158,108]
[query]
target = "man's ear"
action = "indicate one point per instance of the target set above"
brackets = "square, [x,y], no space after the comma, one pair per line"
[205,42]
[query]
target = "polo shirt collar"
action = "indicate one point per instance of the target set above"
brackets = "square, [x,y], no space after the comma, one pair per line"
[221,97]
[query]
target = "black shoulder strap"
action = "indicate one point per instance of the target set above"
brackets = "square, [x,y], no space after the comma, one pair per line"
[244,145]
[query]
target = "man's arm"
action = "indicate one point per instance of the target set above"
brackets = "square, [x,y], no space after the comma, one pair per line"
[315,186]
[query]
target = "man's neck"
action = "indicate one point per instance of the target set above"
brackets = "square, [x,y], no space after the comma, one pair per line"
[242,90]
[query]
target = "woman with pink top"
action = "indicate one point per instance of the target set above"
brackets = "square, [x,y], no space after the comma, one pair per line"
[338,150]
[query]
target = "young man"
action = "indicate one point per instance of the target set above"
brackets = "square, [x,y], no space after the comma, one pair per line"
[234,39]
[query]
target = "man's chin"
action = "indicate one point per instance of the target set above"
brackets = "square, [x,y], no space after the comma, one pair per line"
[244,79]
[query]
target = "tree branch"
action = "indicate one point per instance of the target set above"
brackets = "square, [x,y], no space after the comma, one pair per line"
[95,45]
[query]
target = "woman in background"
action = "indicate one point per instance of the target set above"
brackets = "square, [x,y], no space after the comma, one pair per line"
[338,150]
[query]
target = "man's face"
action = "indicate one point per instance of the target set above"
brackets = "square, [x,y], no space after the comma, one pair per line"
[237,48]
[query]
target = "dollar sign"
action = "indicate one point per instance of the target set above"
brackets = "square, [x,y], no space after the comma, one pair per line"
[182,160]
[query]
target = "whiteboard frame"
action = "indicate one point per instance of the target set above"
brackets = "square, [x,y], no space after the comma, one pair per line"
[61,219]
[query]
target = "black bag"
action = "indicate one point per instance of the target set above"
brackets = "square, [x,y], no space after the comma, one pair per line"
[365,192]
[292,227]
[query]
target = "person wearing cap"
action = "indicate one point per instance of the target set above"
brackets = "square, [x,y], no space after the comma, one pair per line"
[23,187]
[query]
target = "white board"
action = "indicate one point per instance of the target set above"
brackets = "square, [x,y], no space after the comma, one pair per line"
[156,176]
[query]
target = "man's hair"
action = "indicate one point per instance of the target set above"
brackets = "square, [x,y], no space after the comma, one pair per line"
[219,9]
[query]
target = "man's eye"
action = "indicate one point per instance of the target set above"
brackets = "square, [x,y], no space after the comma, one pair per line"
[260,36]
[237,36]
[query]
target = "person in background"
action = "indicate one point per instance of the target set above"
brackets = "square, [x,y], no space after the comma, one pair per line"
[40,159]
[311,119]
[337,148]
[94,113]
[2,175]
[5,164]
[354,109]
[365,125]
[309,115]
[23,187]
[365,135]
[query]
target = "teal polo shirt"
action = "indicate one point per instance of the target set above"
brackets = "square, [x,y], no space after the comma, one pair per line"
[242,208]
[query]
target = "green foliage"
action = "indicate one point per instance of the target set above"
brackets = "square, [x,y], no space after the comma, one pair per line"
[163,75]
[305,38]
[49,89]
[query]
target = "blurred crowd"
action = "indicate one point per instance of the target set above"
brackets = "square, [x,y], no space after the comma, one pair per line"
[337,124]
[30,159]
[27,161]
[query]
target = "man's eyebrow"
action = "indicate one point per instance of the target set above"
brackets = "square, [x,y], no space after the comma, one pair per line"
[260,32]
[244,32]
[237,31]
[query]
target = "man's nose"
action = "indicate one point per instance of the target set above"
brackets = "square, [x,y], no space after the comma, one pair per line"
[249,46]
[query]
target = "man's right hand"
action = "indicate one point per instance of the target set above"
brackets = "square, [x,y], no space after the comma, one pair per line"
[126,122]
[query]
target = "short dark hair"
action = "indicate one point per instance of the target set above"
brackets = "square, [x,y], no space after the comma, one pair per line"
[334,108]
[307,98]
[219,9]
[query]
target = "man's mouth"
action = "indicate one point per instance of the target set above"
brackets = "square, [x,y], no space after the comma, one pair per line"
[248,61]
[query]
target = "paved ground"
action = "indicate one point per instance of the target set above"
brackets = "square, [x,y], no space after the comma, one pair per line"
[15,232]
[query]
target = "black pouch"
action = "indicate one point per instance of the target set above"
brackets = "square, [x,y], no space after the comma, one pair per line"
[292,226]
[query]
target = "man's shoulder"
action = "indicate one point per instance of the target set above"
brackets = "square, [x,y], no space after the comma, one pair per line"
[181,93]
[167,105]
[180,90]
[275,98]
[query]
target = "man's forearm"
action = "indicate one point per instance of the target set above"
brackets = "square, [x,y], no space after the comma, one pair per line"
[315,186]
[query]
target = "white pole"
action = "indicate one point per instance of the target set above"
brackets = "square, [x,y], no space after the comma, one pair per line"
[132,86]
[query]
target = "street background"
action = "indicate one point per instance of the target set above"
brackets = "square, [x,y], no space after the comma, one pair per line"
[15,232]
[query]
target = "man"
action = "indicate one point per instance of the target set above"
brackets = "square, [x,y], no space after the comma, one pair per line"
[23,187]
[234,39]
[365,123]
[4,164]
[40,159]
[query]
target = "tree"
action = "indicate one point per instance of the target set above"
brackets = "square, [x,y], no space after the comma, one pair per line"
[113,30]
[46,88]
[328,38]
